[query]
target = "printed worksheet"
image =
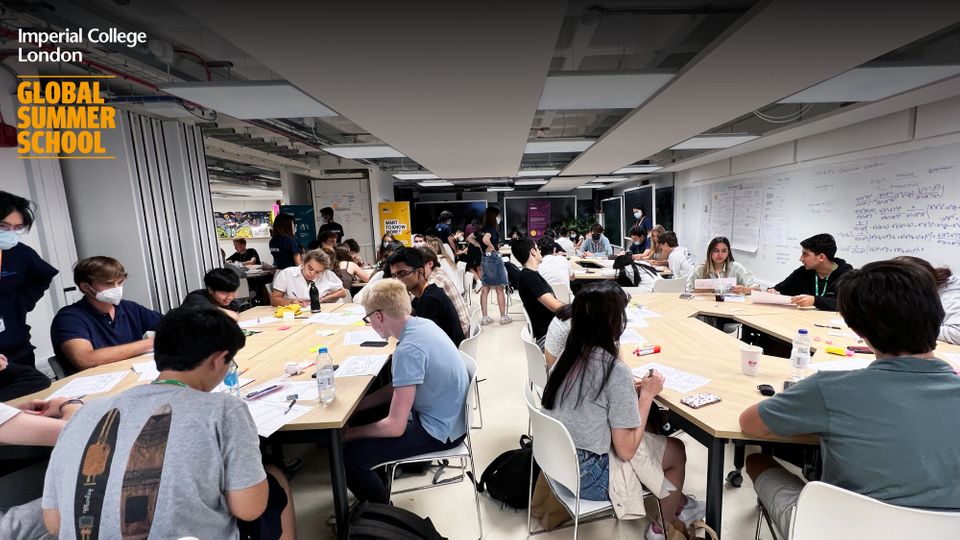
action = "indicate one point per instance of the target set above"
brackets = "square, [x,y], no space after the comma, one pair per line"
[147,371]
[761,297]
[359,336]
[674,379]
[93,384]
[341,319]
[369,364]
[271,416]
[631,336]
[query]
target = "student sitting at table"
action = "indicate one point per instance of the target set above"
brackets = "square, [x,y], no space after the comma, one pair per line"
[815,283]
[555,267]
[596,244]
[354,248]
[679,259]
[33,423]
[536,294]
[102,327]
[293,284]
[429,301]
[349,270]
[949,287]
[639,243]
[875,423]
[440,279]
[242,254]
[565,242]
[719,265]
[220,292]
[654,254]
[170,457]
[631,273]
[425,398]
[594,394]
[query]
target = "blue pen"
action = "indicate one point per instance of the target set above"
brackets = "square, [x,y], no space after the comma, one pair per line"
[265,391]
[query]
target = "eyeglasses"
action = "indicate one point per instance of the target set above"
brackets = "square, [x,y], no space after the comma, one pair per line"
[404,273]
[366,318]
[17,229]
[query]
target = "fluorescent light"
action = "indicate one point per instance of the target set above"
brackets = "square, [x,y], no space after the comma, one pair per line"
[872,83]
[565,183]
[587,186]
[556,146]
[499,188]
[435,183]
[363,151]
[539,172]
[637,169]
[249,100]
[609,179]
[616,90]
[714,140]
[538,182]
[416,176]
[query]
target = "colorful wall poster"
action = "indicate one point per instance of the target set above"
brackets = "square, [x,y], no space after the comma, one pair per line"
[395,220]
[242,224]
[538,218]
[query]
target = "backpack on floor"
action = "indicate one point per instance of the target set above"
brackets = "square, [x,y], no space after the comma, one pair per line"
[373,521]
[507,478]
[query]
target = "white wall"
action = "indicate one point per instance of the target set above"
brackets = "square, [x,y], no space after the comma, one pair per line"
[245,204]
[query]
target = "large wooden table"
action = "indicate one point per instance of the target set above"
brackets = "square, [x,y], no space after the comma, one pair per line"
[264,356]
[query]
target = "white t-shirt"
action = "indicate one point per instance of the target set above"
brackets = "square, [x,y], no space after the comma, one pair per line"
[681,262]
[556,339]
[566,244]
[291,281]
[555,269]
[7,412]
[452,274]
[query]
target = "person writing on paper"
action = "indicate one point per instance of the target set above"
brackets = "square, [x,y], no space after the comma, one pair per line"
[949,287]
[679,259]
[171,457]
[654,255]
[866,419]
[220,292]
[32,423]
[597,244]
[594,394]
[639,244]
[421,410]
[720,265]
[293,284]
[429,301]
[102,327]
[815,283]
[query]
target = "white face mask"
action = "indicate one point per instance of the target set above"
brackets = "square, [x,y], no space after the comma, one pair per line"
[111,296]
[498,220]
[385,244]
[8,239]
[637,215]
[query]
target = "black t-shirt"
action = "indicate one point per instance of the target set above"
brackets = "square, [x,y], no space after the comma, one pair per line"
[494,237]
[200,299]
[283,248]
[434,304]
[250,253]
[24,279]
[532,286]
[332,226]
[824,291]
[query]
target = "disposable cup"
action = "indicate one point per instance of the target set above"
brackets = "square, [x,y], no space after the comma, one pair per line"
[750,359]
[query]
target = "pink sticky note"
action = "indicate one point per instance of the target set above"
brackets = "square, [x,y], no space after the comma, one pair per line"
[283,328]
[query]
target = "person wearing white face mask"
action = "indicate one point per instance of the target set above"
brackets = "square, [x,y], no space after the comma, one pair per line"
[102,327]
[641,219]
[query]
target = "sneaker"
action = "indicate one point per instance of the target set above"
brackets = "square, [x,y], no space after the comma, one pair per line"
[485,321]
[505,319]
[692,510]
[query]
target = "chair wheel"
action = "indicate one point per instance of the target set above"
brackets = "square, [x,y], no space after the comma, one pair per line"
[735,478]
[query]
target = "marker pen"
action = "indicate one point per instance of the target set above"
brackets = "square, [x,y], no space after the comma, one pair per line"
[265,391]
[646,349]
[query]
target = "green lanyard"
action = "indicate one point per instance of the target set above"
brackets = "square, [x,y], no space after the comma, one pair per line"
[169,381]
[816,285]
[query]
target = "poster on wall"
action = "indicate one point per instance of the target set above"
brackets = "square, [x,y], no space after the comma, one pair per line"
[242,224]
[395,220]
[305,229]
[538,218]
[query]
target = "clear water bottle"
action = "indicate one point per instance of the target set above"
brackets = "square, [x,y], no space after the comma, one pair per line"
[326,384]
[800,354]
[232,380]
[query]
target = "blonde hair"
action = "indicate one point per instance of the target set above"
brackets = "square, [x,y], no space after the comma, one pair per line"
[437,246]
[317,255]
[389,296]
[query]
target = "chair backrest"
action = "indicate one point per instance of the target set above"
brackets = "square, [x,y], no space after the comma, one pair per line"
[471,346]
[468,279]
[827,511]
[471,366]
[56,367]
[527,322]
[552,445]
[536,363]
[475,323]
[677,285]
[243,291]
[562,292]
[461,270]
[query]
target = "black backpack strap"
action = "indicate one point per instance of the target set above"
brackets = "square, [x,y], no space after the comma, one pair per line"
[401,519]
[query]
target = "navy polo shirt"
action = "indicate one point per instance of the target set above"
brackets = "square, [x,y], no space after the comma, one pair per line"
[24,278]
[81,321]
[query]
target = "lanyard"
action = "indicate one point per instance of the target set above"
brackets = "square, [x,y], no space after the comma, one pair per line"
[816,285]
[169,381]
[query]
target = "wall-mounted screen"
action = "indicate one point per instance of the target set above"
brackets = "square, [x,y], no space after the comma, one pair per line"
[425,214]
[552,211]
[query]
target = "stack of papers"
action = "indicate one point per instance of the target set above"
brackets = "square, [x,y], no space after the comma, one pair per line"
[93,384]
[271,416]
[353,366]
[674,379]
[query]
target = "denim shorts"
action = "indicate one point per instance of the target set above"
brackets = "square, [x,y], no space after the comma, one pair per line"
[494,273]
[594,475]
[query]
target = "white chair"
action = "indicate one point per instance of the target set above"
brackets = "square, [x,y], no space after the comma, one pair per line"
[562,292]
[475,323]
[827,511]
[468,280]
[463,452]
[678,285]
[243,295]
[461,272]
[471,346]
[536,363]
[554,451]
[526,321]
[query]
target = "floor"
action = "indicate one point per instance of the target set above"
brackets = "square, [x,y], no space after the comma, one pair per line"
[451,508]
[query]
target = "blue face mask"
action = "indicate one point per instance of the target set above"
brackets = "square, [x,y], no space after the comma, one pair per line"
[8,239]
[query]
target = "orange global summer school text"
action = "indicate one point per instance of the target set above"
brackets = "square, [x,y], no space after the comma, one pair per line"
[62,119]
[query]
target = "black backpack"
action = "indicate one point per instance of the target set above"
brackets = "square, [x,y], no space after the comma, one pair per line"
[374,521]
[507,479]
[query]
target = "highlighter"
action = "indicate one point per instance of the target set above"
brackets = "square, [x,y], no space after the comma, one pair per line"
[839,351]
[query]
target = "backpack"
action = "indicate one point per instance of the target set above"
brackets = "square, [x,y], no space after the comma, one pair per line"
[507,478]
[625,279]
[374,521]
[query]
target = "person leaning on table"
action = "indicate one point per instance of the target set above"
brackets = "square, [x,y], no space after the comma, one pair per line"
[888,431]
[292,284]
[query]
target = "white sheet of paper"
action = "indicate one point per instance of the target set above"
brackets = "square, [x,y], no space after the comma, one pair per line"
[638,323]
[847,364]
[355,309]
[369,364]
[271,416]
[638,313]
[147,371]
[838,322]
[93,384]
[952,358]
[762,297]
[631,336]
[335,318]
[358,337]
[727,282]
[223,388]
[674,379]
[257,322]
[305,391]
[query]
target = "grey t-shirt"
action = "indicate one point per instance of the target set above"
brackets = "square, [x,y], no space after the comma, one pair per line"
[211,448]
[888,431]
[590,421]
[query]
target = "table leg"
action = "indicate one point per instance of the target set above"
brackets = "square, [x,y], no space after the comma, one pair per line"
[338,477]
[715,483]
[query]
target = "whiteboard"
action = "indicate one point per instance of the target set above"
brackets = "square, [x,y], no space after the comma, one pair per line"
[877,208]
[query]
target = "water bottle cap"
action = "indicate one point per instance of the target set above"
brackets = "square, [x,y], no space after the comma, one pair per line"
[322,350]
[802,331]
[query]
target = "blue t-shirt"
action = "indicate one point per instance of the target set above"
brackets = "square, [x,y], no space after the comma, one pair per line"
[24,278]
[888,431]
[444,232]
[426,357]
[81,321]
[283,248]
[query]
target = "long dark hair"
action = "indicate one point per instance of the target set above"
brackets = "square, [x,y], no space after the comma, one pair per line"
[282,226]
[598,320]
[490,216]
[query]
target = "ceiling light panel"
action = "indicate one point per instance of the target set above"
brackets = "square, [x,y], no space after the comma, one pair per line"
[539,172]
[537,182]
[435,183]
[249,100]
[415,176]
[638,169]
[872,83]
[557,146]
[565,183]
[619,90]
[708,142]
[363,151]
[498,188]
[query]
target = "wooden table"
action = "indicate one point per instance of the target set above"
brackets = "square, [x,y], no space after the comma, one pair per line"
[264,355]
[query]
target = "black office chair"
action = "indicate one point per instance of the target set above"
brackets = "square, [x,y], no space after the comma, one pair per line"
[57,367]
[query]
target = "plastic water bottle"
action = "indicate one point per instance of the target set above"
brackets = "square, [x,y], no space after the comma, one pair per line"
[232,380]
[800,354]
[326,383]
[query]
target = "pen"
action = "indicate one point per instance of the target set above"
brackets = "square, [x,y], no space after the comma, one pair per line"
[265,391]
[828,326]
[292,403]
[246,369]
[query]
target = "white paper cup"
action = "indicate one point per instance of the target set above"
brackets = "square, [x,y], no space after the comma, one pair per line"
[750,359]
